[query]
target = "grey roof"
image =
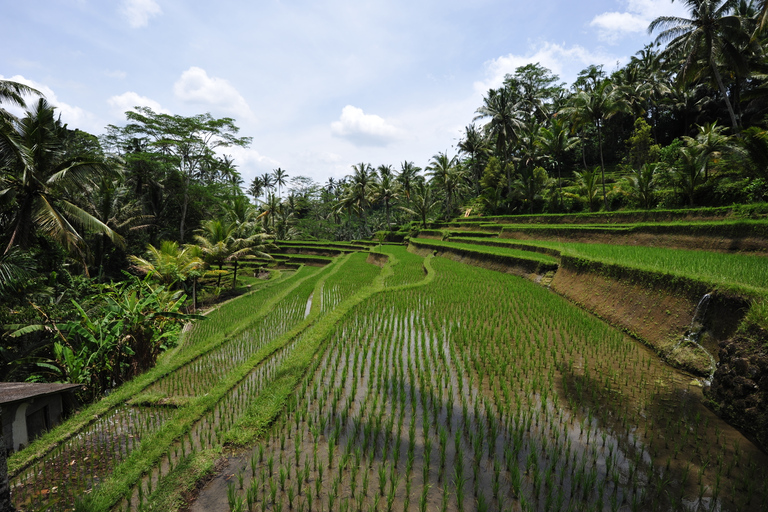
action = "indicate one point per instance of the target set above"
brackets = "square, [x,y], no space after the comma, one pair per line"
[19,391]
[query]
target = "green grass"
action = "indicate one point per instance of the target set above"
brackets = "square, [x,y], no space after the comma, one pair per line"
[408,267]
[743,273]
[490,250]
[738,272]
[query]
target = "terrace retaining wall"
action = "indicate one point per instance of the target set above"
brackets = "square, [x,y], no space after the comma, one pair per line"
[646,239]
[528,269]
[377,259]
[656,308]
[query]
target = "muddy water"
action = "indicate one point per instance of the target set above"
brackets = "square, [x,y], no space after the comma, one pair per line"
[424,403]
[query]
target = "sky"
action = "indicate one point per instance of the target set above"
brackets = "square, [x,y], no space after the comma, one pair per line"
[319,85]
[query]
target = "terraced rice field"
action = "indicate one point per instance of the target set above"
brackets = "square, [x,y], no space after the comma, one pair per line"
[424,385]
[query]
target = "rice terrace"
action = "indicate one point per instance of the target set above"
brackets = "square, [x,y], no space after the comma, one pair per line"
[409,377]
[562,309]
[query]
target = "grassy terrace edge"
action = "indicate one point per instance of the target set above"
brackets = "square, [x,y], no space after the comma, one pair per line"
[532,262]
[738,211]
[571,257]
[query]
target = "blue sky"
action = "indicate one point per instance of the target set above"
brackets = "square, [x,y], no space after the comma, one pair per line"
[319,85]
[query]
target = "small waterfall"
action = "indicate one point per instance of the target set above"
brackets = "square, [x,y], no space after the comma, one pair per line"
[699,315]
[695,331]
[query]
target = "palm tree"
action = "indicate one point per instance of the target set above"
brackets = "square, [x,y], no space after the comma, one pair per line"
[169,264]
[689,173]
[422,202]
[555,142]
[595,106]
[219,243]
[13,93]
[447,176]
[267,182]
[108,201]
[359,189]
[38,176]
[587,183]
[271,207]
[408,177]
[642,184]
[473,144]
[710,142]
[257,186]
[384,170]
[703,41]
[503,126]
[280,177]
[386,190]
[240,211]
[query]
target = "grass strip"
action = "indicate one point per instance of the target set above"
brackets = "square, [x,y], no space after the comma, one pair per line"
[624,216]
[173,489]
[498,253]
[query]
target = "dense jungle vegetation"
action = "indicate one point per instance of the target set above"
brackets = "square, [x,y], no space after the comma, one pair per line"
[108,242]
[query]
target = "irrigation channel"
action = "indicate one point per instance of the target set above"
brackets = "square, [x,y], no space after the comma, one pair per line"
[466,389]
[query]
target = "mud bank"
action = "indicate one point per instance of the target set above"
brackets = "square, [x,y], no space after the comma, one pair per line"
[656,308]
[528,269]
[739,390]
[377,259]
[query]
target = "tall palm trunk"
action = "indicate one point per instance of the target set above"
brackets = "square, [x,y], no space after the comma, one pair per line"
[721,86]
[602,163]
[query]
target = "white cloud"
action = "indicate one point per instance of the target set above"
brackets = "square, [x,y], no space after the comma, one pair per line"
[116,73]
[138,12]
[249,162]
[635,19]
[363,129]
[195,86]
[563,61]
[74,117]
[128,100]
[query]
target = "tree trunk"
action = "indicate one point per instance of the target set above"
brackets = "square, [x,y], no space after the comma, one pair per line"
[184,205]
[602,164]
[720,85]
[234,278]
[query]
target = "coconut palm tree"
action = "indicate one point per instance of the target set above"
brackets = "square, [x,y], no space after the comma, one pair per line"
[170,264]
[474,145]
[595,106]
[503,125]
[555,142]
[40,179]
[240,211]
[689,172]
[386,190]
[448,177]
[588,188]
[710,142]
[280,179]
[359,189]
[422,202]
[642,184]
[408,177]
[256,188]
[12,93]
[703,42]
[219,243]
